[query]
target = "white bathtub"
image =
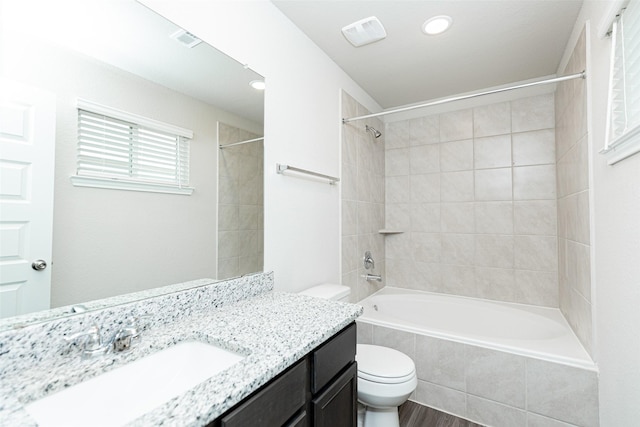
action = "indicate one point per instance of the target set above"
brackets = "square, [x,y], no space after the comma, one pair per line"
[516,328]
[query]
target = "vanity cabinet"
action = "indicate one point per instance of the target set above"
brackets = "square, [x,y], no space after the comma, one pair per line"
[318,390]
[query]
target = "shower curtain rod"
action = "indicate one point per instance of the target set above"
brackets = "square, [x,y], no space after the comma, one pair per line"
[581,75]
[242,142]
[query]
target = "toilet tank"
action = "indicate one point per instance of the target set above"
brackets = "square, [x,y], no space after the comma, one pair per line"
[329,291]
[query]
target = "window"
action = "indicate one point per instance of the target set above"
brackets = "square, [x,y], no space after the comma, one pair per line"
[124,151]
[623,122]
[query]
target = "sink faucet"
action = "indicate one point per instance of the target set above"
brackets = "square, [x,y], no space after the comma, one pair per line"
[93,345]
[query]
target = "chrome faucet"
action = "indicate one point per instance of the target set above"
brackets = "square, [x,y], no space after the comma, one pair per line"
[92,344]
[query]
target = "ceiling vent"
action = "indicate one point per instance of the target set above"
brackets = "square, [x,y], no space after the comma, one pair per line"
[365,31]
[186,38]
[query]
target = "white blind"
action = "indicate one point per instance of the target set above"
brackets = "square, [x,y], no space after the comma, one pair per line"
[625,74]
[123,150]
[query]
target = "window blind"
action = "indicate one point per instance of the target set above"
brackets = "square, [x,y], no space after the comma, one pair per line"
[122,150]
[624,96]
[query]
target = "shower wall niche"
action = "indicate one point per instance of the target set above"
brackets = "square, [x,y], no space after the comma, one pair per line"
[240,203]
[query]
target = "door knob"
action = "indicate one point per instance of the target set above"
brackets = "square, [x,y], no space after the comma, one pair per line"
[39,265]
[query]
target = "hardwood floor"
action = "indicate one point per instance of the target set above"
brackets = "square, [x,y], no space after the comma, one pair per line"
[415,415]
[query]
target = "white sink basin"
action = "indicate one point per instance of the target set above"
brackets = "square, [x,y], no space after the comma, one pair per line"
[124,394]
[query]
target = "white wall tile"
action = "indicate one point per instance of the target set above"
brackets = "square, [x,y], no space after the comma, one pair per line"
[397,162]
[494,251]
[425,130]
[496,283]
[426,247]
[537,288]
[349,253]
[493,184]
[494,217]
[456,186]
[532,113]
[441,398]
[457,217]
[440,362]
[534,182]
[496,375]
[397,189]
[535,420]
[427,276]
[458,280]
[424,188]
[424,159]
[494,414]
[398,216]
[456,155]
[534,148]
[494,119]
[535,217]
[538,253]
[228,217]
[458,249]
[397,135]
[456,125]
[562,392]
[404,342]
[492,152]
[364,332]
[424,217]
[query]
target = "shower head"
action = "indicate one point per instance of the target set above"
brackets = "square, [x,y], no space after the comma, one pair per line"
[374,132]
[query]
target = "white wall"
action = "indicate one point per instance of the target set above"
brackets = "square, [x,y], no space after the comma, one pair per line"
[302,128]
[616,241]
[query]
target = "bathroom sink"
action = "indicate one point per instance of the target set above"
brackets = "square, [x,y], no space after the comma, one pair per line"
[124,394]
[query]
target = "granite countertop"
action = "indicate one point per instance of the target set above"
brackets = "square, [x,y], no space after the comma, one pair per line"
[272,329]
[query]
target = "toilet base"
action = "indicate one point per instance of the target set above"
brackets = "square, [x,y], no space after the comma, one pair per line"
[381,417]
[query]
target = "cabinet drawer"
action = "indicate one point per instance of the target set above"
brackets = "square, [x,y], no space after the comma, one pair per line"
[274,404]
[333,357]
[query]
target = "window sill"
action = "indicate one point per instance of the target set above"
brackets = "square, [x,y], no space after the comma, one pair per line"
[117,184]
[623,147]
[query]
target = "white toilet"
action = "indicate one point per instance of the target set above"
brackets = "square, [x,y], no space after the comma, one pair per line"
[386,377]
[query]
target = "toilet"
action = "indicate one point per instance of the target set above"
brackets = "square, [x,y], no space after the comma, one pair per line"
[386,377]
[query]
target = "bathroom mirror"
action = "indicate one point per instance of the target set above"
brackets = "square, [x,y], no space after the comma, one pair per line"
[112,243]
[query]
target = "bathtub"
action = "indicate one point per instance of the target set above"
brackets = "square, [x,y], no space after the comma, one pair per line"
[526,330]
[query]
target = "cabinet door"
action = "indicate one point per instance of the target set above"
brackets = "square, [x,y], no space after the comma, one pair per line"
[274,404]
[332,357]
[336,406]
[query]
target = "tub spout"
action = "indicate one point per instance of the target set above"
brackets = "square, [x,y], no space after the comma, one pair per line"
[375,277]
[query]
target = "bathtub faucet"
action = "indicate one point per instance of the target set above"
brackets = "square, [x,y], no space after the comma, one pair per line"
[369,277]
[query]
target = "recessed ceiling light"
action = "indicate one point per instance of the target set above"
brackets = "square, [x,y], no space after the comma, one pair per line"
[437,25]
[257,84]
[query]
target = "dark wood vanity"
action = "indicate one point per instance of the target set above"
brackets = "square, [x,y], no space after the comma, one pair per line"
[318,390]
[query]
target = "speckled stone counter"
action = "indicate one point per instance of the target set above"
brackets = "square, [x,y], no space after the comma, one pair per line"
[244,315]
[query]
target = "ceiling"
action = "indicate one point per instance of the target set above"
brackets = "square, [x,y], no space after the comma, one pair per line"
[490,43]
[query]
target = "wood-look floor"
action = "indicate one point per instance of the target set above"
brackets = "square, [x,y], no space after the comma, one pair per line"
[415,415]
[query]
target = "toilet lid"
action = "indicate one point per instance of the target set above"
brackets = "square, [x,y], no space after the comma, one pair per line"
[383,364]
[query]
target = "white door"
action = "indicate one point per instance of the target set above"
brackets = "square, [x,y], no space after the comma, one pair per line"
[27,147]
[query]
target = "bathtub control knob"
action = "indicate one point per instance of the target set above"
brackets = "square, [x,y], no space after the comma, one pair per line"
[368,261]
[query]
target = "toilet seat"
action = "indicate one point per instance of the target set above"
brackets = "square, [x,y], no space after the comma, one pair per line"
[384,365]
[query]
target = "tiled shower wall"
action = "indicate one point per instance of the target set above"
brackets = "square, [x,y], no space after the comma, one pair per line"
[474,192]
[362,185]
[572,152]
[240,203]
